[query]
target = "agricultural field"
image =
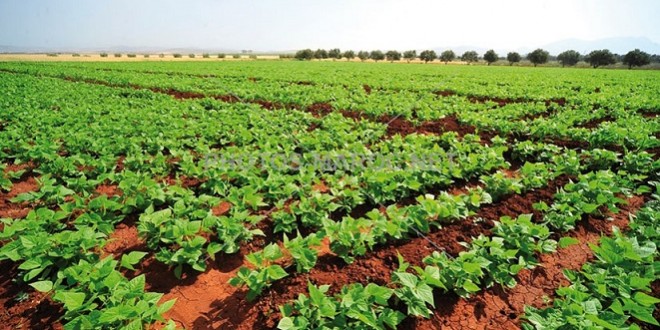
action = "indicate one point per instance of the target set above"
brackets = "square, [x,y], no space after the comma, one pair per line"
[327,195]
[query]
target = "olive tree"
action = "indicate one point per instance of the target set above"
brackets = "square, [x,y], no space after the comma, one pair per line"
[568,58]
[600,58]
[376,55]
[447,56]
[393,55]
[513,57]
[428,56]
[363,55]
[470,56]
[305,54]
[349,54]
[334,53]
[410,55]
[490,56]
[636,58]
[538,56]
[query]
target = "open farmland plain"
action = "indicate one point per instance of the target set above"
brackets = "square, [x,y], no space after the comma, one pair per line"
[327,195]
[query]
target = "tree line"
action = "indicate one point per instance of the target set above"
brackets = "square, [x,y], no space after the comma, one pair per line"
[595,58]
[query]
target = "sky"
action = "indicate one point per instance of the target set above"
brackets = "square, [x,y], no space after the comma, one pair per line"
[277,25]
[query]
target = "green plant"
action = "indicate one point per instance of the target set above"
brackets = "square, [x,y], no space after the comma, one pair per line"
[264,273]
[302,251]
[96,295]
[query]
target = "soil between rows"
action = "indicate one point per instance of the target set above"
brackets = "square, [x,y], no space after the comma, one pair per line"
[500,308]
[209,302]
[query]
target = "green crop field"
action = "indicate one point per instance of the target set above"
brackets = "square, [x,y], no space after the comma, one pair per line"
[327,195]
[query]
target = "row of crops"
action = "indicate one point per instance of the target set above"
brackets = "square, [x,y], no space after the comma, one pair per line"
[346,195]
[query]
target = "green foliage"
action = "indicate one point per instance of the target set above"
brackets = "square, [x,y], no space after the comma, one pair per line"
[354,307]
[513,57]
[538,56]
[470,56]
[393,55]
[601,57]
[447,56]
[349,54]
[428,56]
[376,55]
[636,58]
[490,56]
[410,55]
[264,272]
[568,58]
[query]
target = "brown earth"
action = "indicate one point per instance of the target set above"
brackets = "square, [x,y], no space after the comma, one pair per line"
[21,307]
[499,308]
[375,267]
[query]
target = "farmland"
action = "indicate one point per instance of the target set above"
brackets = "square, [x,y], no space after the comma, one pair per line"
[327,195]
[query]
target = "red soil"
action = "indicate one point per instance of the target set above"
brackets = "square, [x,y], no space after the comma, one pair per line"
[376,266]
[13,210]
[221,209]
[109,190]
[124,239]
[34,311]
[595,122]
[498,308]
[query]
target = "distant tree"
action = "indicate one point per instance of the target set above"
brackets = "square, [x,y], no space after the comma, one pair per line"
[376,55]
[146,55]
[205,55]
[191,55]
[131,55]
[104,54]
[600,57]
[538,56]
[410,55]
[363,55]
[470,56]
[428,55]
[161,55]
[636,58]
[491,56]
[177,55]
[117,55]
[513,57]
[568,58]
[393,55]
[320,54]
[655,58]
[447,56]
[75,55]
[236,56]
[305,54]
[334,53]
[349,54]
[221,55]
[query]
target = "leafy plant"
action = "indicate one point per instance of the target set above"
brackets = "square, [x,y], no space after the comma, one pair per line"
[264,273]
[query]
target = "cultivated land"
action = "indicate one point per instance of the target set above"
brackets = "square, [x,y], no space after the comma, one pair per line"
[220,195]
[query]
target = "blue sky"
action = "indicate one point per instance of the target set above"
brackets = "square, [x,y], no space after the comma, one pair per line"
[294,24]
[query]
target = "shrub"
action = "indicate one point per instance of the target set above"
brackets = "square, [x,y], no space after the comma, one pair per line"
[236,56]
[75,55]
[117,55]
[131,55]
[191,55]
[104,54]
[206,55]
[177,55]
[222,55]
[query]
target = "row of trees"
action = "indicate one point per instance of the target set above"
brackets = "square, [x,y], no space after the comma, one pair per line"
[539,56]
